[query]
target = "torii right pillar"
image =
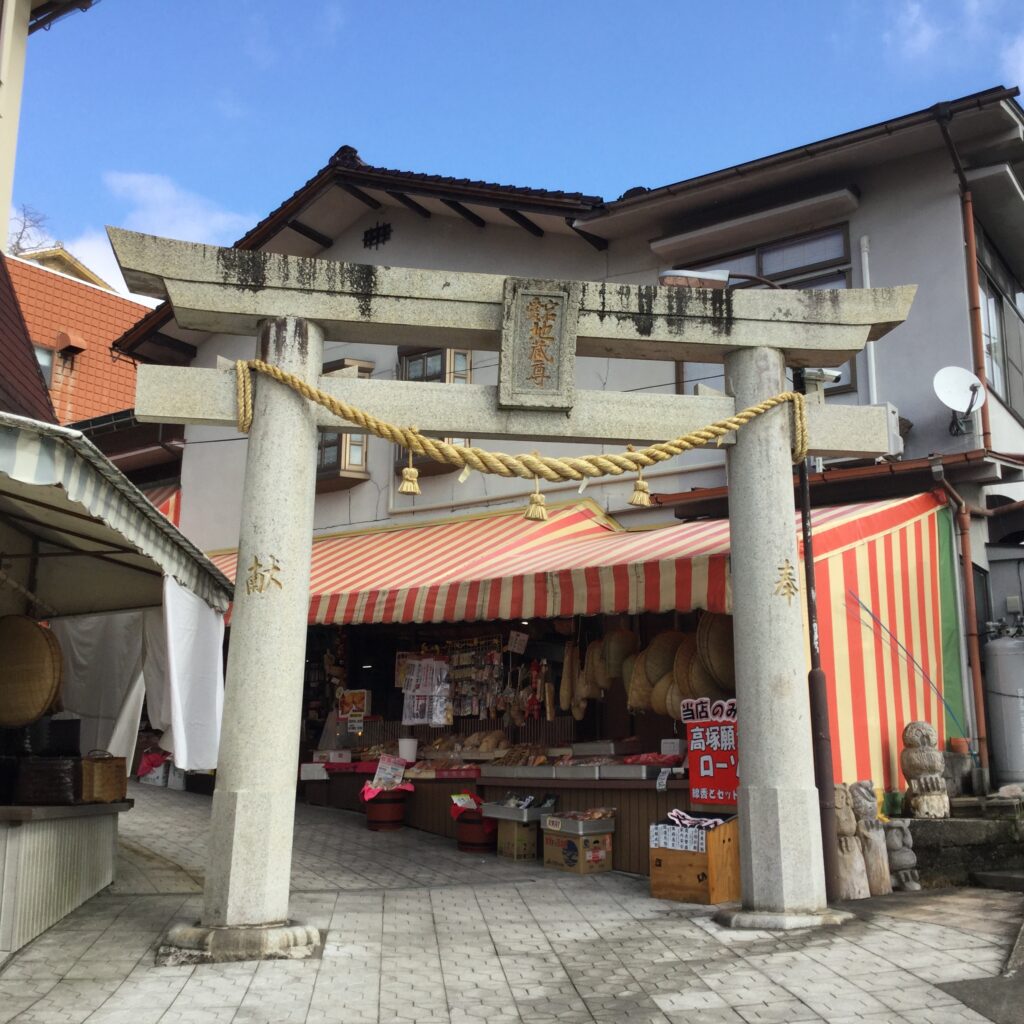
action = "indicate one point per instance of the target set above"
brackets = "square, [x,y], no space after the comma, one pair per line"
[780,828]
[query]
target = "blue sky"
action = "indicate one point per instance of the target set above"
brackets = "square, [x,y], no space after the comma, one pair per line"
[195,118]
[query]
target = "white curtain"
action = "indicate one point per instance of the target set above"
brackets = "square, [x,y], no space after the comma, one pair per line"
[172,655]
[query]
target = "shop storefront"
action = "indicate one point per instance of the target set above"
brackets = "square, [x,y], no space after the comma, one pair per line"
[567,648]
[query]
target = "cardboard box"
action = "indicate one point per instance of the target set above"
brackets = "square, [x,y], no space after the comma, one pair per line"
[517,841]
[158,776]
[312,772]
[176,778]
[335,756]
[580,855]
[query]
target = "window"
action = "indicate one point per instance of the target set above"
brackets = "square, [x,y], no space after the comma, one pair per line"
[44,356]
[341,458]
[817,260]
[442,366]
[445,366]
[1001,297]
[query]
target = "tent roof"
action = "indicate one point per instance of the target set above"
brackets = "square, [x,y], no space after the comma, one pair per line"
[579,562]
[79,535]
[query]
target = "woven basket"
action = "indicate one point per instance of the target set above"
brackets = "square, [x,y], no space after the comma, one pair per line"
[619,644]
[659,695]
[30,667]
[55,737]
[638,693]
[661,652]
[104,778]
[674,699]
[49,780]
[715,647]
[691,676]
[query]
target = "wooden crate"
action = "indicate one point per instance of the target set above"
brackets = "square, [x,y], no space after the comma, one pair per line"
[709,877]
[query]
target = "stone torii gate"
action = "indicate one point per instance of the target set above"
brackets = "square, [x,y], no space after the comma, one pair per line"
[293,304]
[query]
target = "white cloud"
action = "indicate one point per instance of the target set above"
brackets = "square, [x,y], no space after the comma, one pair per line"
[157,205]
[1012,60]
[913,34]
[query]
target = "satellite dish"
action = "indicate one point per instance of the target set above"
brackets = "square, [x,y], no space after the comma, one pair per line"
[962,392]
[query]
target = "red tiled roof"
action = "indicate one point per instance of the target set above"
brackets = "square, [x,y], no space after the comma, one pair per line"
[22,388]
[59,311]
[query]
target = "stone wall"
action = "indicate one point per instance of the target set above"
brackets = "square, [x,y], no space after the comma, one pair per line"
[949,850]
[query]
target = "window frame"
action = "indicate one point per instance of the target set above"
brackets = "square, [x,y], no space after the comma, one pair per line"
[47,370]
[343,470]
[793,278]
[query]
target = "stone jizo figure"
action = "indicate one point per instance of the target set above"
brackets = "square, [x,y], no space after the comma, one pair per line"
[924,766]
[871,837]
[853,876]
[902,859]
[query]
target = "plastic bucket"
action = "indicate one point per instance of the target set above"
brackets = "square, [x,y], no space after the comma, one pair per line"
[407,749]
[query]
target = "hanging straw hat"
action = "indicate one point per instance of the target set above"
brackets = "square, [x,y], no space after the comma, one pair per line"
[659,695]
[674,699]
[619,644]
[661,653]
[628,664]
[715,647]
[693,679]
[30,668]
[638,694]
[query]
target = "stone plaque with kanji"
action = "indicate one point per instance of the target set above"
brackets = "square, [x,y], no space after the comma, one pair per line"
[538,345]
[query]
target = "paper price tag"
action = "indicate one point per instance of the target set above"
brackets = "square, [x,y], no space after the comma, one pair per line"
[554,825]
[662,783]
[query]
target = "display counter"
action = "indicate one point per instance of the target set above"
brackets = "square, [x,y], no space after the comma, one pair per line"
[41,846]
[639,803]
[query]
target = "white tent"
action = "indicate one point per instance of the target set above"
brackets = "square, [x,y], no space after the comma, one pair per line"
[137,608]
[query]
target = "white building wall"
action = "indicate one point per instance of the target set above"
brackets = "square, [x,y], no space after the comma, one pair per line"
[910,212]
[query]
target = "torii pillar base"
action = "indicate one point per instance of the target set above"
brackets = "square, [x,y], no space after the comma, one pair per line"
[769,921]
[188,944]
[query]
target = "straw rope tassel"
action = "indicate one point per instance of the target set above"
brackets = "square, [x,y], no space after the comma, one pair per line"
[535,509]
[641,496]
[528,467]
[410,478]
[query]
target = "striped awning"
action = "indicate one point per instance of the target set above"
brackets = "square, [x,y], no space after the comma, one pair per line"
[579,562]
[106,547]
[166,500]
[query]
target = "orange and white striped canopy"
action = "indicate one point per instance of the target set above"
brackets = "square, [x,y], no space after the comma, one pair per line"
[578,562]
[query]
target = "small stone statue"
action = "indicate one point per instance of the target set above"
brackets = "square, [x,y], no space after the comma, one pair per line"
[853,876]
[871,837]
[923,765]
[902,859]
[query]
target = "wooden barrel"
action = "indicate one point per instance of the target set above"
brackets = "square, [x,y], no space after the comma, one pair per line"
[472,836]
[386,811]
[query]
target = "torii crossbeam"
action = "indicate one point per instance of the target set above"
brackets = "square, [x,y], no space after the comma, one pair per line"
[292,304]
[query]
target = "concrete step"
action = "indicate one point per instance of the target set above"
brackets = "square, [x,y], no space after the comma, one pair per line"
[1009,881]
[984,807]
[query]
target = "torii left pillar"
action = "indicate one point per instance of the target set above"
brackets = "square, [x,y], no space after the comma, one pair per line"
[245,907]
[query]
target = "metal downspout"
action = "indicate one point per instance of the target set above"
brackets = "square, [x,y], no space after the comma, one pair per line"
[943,116]
[963,520]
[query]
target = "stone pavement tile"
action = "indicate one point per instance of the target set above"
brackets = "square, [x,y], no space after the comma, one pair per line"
[51,1016]
[11,1006]
[715,1015]
[24,988]
[956,971]
[133,1015]
[101,970]
[887,1017]
[784,1011]
[694,997]
[958,1014]
[199,1015]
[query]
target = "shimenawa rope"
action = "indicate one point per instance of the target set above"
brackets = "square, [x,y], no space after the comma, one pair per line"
[532,466]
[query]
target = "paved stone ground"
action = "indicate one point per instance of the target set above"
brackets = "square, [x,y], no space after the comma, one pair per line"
[419,932]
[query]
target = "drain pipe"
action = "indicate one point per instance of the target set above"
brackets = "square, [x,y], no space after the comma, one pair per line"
[962,511]
[943,116]
[869,348]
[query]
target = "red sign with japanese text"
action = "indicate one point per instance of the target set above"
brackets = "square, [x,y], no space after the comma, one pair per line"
[712,755]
